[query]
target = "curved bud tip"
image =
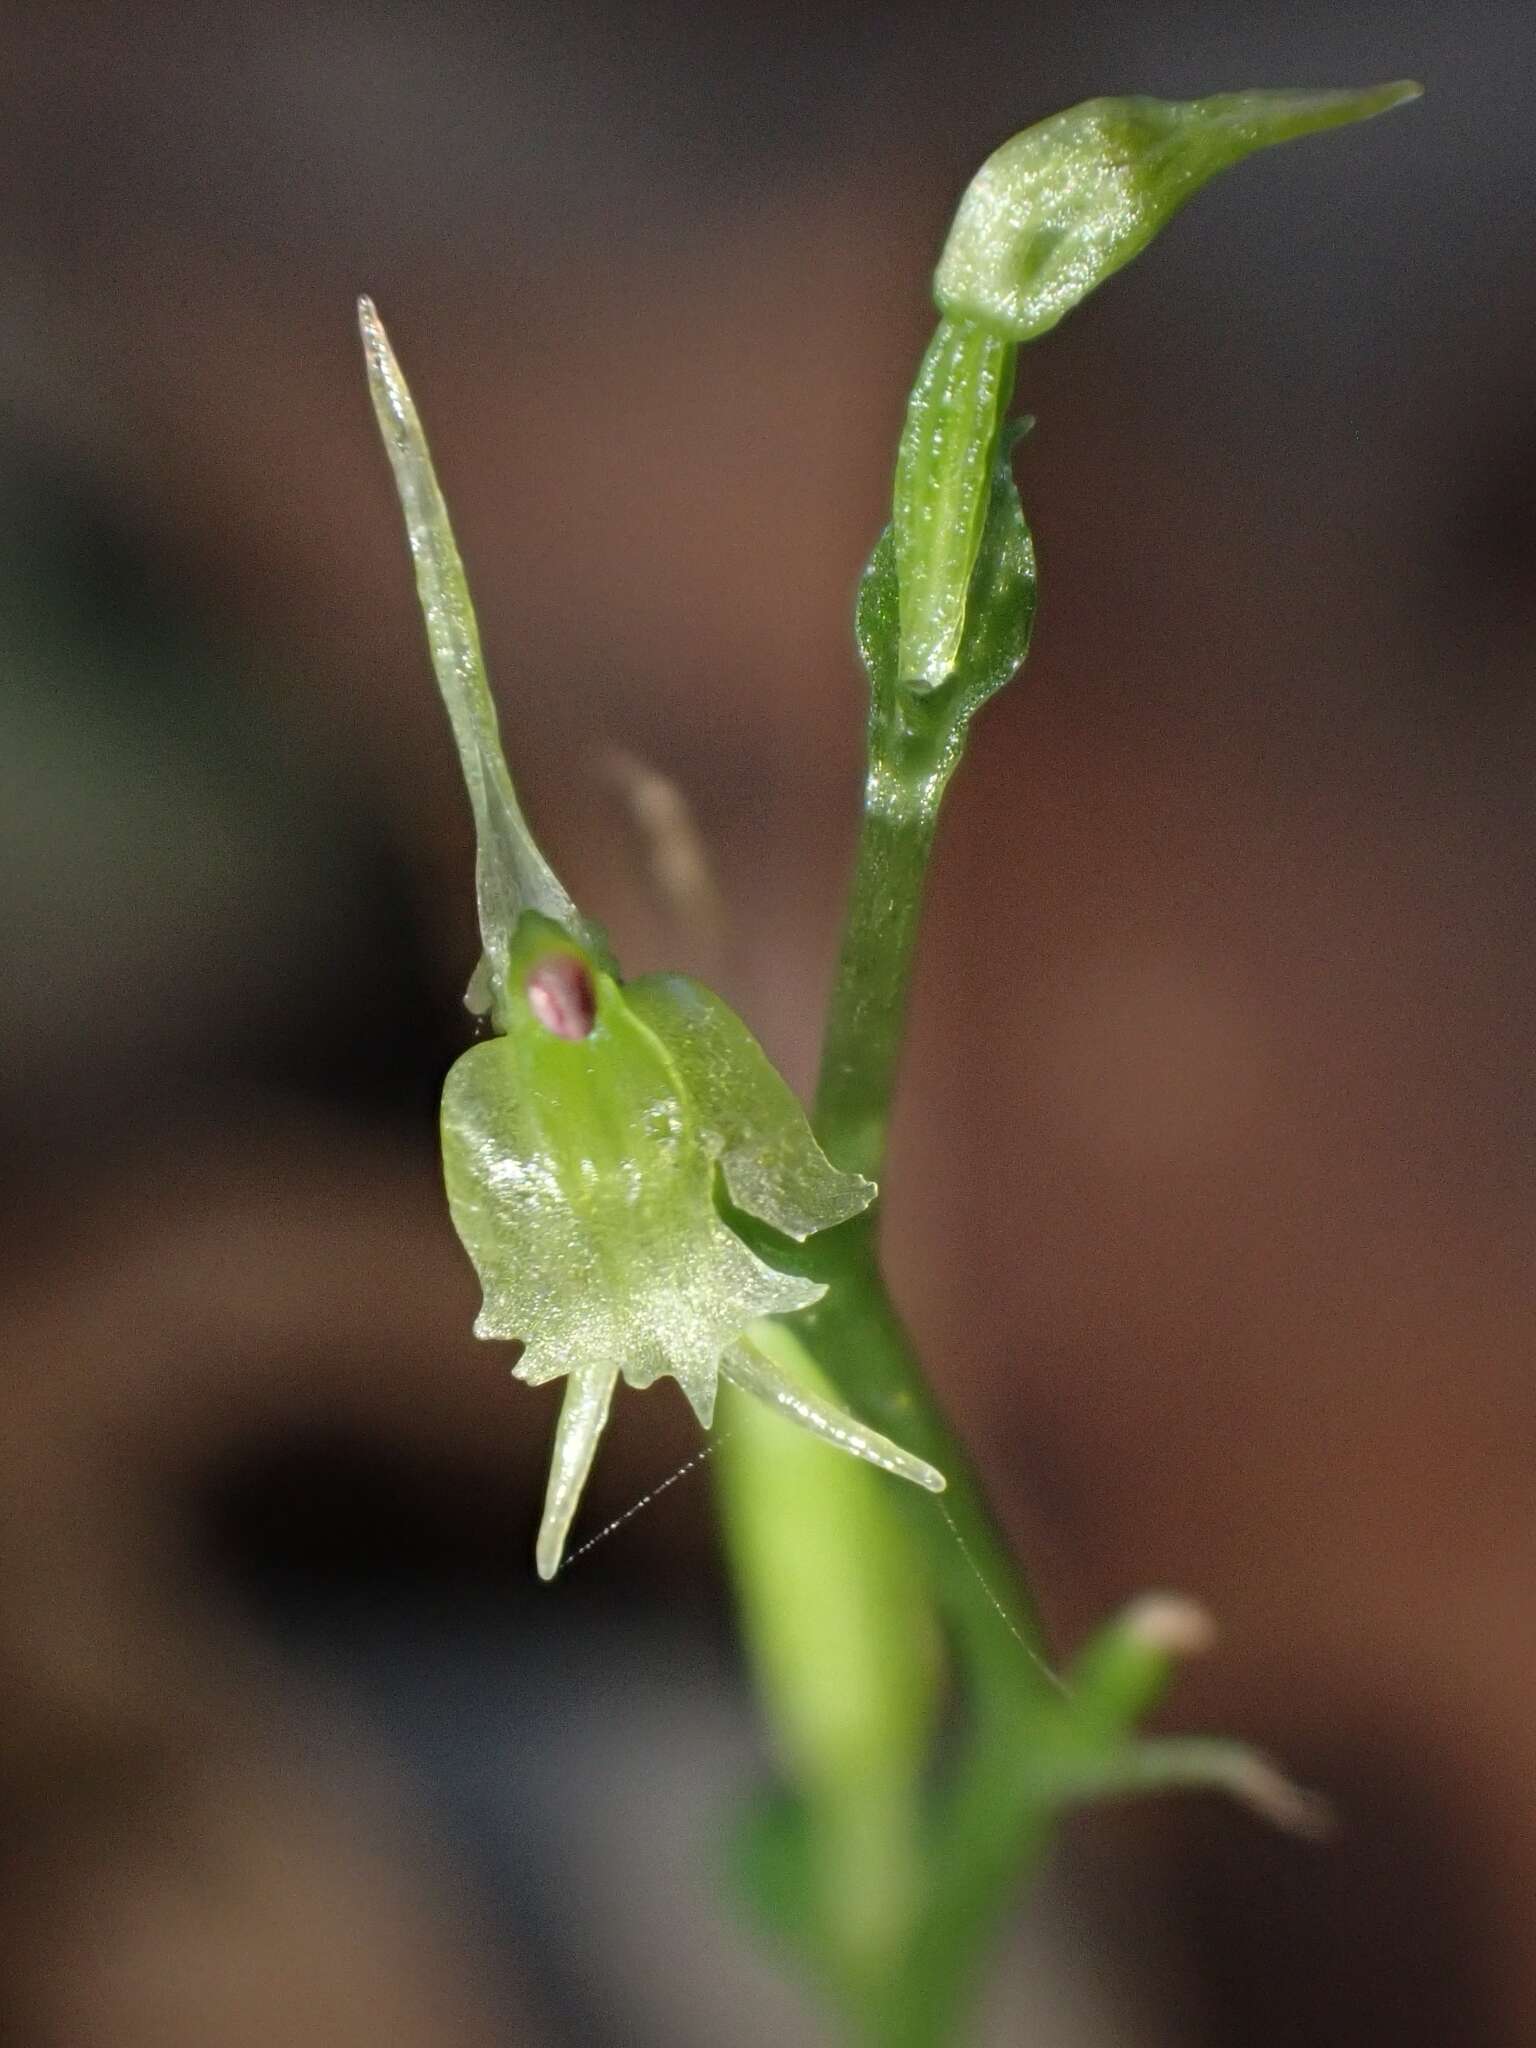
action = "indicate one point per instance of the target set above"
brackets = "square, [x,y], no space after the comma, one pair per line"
[1062,206]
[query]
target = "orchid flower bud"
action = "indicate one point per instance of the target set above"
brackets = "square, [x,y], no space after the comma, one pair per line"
[1048,217]
[1068,202]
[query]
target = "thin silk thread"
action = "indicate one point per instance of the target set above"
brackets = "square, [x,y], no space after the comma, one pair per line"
[1004,1616]
[711,1445]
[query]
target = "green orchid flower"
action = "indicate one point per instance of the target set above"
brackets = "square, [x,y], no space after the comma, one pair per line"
[591,1145]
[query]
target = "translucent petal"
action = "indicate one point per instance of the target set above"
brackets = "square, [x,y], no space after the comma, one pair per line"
[772,1165]
[583,1416]
[745,1366]
[581,1187]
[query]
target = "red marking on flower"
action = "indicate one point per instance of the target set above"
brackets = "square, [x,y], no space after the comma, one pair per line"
[561,995]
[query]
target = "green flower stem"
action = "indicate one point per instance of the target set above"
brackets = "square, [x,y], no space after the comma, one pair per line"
[855,1333]
[976,1873]
[1031,1745]
[867,1024]
[990,1823]
[982,1825]
[1026,1740]
[848,1669]
[858,1340]
[915,743]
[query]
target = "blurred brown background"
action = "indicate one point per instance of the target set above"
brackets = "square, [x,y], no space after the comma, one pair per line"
[1216,1177]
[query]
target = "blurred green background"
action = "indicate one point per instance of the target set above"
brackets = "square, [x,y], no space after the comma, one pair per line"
[1214,1188]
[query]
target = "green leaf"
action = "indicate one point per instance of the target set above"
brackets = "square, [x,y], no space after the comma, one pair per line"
[1065,204]
[1178,1763]
[772,1166]
[999,606]
[512,875]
